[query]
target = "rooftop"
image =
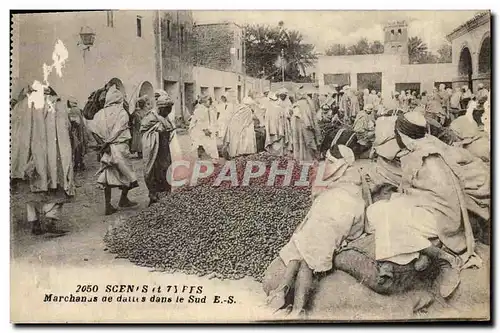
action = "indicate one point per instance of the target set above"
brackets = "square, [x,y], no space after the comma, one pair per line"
[477,20]
[216,23]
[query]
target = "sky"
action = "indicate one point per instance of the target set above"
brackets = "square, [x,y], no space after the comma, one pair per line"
[323,28]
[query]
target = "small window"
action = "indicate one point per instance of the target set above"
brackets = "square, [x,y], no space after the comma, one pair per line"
[110,18]
[238,54]
[168,30]
[139,26]
[399,31]
[182,33]
[392,32]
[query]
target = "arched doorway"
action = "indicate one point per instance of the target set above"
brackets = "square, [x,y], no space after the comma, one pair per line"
[146,89]
[484,57]
[465,66]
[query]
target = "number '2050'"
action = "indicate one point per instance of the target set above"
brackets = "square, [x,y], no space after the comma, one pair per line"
[87,288]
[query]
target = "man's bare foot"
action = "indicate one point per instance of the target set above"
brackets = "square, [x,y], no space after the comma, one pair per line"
[276,298]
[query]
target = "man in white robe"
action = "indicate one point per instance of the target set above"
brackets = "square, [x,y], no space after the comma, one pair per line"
[275,127]
[429,208]
[239,137]
[111,126]
[41,157]
[203,128]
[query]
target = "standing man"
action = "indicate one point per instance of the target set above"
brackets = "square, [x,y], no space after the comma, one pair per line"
[345,103]
[202,130]
[41,156]
[305,140]
[275,127]
[482,92]
[78,134]
[156,130]
[239,137]
[224,111]
[139,113]
[111,126]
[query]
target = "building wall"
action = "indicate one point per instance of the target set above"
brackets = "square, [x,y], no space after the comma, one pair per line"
[218,46]
[176,40]
[214,82]
[117,51]
[472,40]
[389,65]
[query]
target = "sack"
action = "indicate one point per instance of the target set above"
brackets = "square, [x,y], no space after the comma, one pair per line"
[358,260]
[94,103]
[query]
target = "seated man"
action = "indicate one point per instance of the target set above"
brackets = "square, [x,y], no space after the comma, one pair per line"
[469,135]
[428,207]
[337,214]
[364,127]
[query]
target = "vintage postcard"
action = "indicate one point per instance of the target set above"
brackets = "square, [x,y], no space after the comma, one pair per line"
[250,166]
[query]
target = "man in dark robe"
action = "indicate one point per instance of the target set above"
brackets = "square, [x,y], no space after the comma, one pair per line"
[156,129]
[78,134]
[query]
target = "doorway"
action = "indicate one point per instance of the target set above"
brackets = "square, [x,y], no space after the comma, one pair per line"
[189,96]
[172,88]
[370,81]
[465,66]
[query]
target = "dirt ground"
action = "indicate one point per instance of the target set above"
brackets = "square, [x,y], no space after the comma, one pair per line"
[42,264]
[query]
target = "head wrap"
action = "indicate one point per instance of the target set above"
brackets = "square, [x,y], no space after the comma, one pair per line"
[282,91]
[368,107]
[72,101]
[164,101]
[396,93]
[159,92]
[113,96]
[412,124]
[204,98]
[338,152]
[272,96]
[374,92]
[248,100]
[480,86]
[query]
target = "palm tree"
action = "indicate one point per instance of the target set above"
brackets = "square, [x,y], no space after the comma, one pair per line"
[416,49]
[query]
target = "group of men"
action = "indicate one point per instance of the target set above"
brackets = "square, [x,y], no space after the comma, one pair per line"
[436,199]
[48,145]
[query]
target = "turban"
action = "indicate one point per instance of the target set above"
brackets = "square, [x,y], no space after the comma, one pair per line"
[164,101]
[338,152]
[272,96]
[368,107]
[480,86]
[204,98]
[412,124]
[248,101]
[160,92]
[282,91]
[72,101]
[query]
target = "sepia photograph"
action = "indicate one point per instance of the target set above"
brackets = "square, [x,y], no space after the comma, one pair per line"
[250,166]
